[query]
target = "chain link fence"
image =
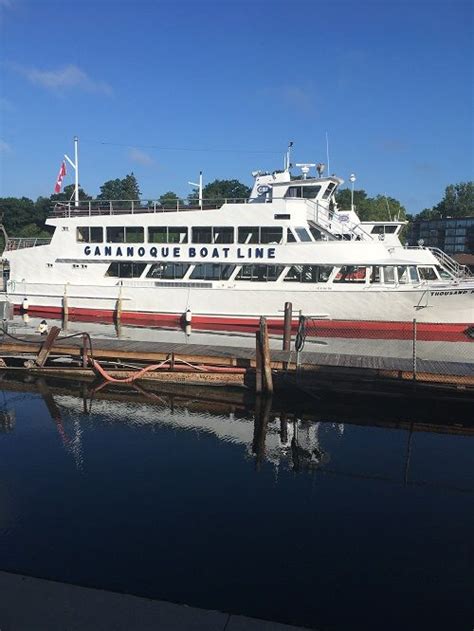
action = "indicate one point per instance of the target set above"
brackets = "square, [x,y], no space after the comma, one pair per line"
[429,353]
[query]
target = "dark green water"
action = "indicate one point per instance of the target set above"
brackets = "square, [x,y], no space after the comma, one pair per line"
[357,516]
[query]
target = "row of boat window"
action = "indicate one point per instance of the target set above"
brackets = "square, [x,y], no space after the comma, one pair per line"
[198,234]
[388,274]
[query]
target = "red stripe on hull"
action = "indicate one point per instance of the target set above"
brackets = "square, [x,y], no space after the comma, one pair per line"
[366,329]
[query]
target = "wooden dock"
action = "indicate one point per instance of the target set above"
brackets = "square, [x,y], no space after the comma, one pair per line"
[198,364]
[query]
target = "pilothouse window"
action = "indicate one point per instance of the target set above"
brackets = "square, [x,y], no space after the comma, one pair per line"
[306,192]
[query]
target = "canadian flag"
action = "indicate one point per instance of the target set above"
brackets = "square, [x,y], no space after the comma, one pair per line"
[59,179]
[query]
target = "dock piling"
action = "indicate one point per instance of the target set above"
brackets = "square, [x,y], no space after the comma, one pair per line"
[287,326]
[265,346]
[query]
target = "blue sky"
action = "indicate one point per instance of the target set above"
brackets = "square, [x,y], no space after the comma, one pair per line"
[165,89]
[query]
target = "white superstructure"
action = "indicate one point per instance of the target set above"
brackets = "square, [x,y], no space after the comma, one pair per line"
[227,263]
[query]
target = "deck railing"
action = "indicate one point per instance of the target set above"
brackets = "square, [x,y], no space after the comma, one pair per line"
[451,265]
[134,206]
[25,242]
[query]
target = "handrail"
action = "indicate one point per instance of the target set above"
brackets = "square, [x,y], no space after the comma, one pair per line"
[19,243]
[323,213]
[456,269]
[135,206]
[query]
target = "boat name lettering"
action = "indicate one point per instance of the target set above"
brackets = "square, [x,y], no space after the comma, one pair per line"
[177,252]
[453,292]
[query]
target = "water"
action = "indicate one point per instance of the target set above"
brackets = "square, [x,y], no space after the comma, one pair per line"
[340,517]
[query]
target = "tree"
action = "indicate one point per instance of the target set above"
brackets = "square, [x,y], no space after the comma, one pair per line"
[458,201]
[379,208]
[222,189]
[168,200]
[125,189]
[68,195]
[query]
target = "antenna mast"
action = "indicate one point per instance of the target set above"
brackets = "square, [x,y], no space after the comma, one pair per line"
[288,156]
[327,152]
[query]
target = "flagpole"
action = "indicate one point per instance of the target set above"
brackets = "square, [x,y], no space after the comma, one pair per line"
[76,179]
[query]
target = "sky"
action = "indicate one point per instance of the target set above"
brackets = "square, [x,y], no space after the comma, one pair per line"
[166,89]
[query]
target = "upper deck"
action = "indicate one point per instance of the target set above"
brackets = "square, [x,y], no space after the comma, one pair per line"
[96,207]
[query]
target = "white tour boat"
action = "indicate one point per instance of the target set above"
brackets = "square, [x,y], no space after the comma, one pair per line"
[225,264]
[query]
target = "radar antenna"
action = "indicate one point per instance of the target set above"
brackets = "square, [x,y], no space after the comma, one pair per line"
[305,167]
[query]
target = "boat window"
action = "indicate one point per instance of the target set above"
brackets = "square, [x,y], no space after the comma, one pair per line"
[134,234]
[162,234]
[157,234]
[402,272]
[115,234]
[281,216]
[202,234]
[307,192]
[290,237]
[92,234]
[223,235]
[308,274]
[444,274]
[271,235]
[329,190]
[259,273]
[168,271]
[126,270]
[384,229]
[248,234]
[389,274]
[427,273]
[212,271]
[351,274]
[413,273]
[253,234]
[375,274]
[303,234]
[317,234]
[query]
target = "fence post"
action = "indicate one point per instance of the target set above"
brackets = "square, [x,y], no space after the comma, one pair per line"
[414,349]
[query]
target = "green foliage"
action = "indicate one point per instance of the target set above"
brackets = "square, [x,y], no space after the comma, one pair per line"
[222,189]
[168,200]
[67,195]
[125,189]
[379,208]
[458,201]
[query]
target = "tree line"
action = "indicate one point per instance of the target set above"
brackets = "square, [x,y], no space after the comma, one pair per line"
[24,217]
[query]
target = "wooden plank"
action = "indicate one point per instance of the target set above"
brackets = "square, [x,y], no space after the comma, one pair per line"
[47,346]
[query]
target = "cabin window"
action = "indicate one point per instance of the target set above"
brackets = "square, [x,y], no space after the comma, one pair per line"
[202,234]
[253,234]
[444,274]
[402,272]
[134,234]
[389,274]
[306,192]
[427,273]
[115,234]
[303,234]
[126,270]
[168,271]
[248,234]
[259,273]
[351,274]
[271,235]
[308,274]
[223,235]
[87,234]
[162,234]
[212,271]
[290,237]
[384,229]
[375,274]
[413,274]
[331,186]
